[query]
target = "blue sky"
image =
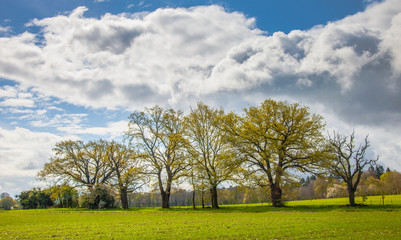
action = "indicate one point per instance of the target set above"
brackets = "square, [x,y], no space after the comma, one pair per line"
[271,16]
[76,69]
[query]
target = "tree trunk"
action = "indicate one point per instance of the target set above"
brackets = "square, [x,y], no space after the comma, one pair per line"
[124,198]
[203,199]
[165,194]
[351,195]
[193,199]
[165,199]
[213,193]
[276,193]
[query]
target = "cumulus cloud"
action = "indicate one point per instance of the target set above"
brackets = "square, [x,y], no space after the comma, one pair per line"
[22,154]
[120,59]
[168,55]
[351,66]
[23,150]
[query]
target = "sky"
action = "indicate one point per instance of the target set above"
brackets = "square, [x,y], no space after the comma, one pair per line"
[74,69]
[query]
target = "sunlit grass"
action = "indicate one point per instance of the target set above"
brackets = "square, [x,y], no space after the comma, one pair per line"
[317,219]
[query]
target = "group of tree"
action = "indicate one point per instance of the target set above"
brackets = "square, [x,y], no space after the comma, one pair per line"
[95,163]
[65,196]
[263,147]
[7,203]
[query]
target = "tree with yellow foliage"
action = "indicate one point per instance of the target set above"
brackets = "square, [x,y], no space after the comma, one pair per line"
[276,137]
[213,158]
[128,172]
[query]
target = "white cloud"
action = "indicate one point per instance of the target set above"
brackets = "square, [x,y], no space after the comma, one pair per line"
[112,130]
[120,59]
[22,154]
[23,150]
[60,120]
[392,42]
[8,92]
[16,96]
[4,29]
[175,56]
[18,102]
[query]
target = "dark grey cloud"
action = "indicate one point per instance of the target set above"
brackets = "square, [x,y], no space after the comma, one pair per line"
[115,39]
[99,89]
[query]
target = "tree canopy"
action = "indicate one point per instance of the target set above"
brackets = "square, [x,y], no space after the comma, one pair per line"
[273,138]
[79,163]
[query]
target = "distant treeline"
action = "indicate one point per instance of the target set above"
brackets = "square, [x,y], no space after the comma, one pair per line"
[373,182]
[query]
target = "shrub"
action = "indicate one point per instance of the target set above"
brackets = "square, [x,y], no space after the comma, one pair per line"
[100,196]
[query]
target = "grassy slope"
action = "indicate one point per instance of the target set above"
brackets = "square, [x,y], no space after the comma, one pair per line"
[323,219]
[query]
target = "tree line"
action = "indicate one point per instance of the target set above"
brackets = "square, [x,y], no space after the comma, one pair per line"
[261,148]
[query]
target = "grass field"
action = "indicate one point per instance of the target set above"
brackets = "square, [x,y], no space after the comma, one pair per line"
[317,219]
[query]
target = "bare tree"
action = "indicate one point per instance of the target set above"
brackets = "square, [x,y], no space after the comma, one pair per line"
[158,133]
[349,161]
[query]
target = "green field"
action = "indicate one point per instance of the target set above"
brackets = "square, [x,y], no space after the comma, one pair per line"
[317,219]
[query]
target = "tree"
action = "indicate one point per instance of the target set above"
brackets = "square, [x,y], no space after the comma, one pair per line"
[376,171]
[124,161]
[159,134]
[64,196]
[213,157]
[276,137]
[191,175]
[80,163]
[7,203]
[392,182]
[348,161]
[320,188]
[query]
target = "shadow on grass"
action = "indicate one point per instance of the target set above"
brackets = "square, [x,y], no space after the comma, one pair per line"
[253,208]
[299,208]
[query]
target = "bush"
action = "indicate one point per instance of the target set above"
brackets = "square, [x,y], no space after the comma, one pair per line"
[100,196]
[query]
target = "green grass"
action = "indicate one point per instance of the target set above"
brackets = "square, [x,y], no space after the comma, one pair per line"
[317,219]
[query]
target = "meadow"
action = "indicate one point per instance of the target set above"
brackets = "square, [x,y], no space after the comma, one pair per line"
[311,219]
